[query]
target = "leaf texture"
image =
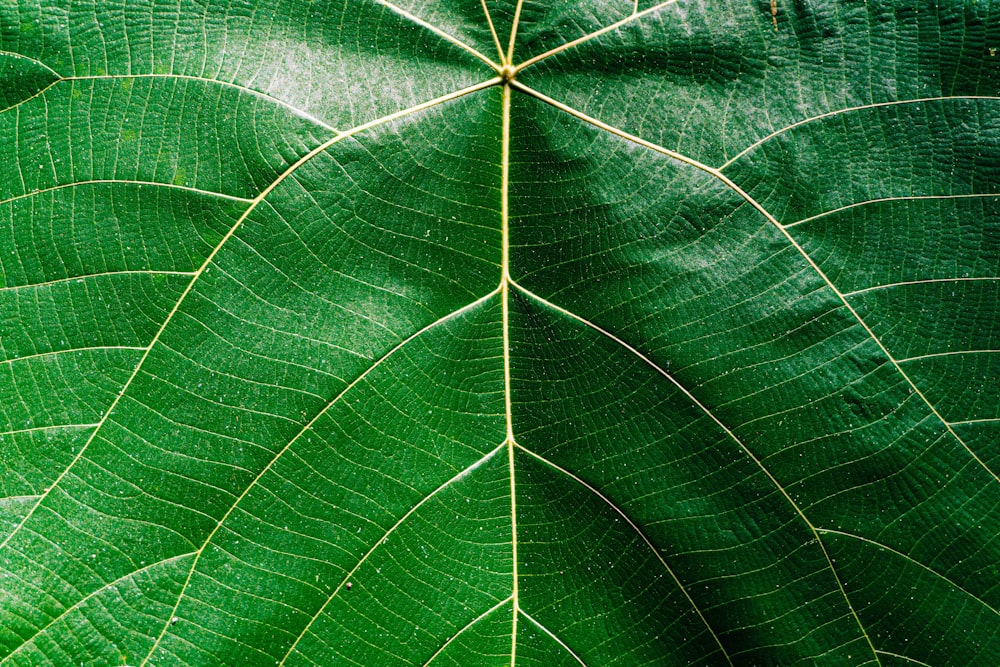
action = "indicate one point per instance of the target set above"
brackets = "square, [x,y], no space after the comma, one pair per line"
[499,333]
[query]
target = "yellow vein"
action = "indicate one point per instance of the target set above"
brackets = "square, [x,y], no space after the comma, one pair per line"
[29,58]
[464,473]
[274,459]
[58,76]
[911,560]
[977,421]
[88,276]
[46,428]
[934,355]
[7,499]
[505,288]
[302,113]
[612,129]
[639,532]
[54,353]
[862,107]
[62,79]
[437,31]
[493,33]
[927,281]
[467,626]
[510,44]
[770,218]
[903,657]
[701,406]
[208,260]
[555,638]
[891,199]
[586,38]
[505,252]
[119,181]
[31,97]
[89,596]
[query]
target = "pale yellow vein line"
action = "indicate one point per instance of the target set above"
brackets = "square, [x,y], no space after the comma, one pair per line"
[92,348]
[597,33]
[302,113]
[89,596]
[701,406]
[437,31]
[513,38]
[119,181]
[911,560]
[31,97]
[903,657]
[29,58]
[613,130]
[7,499]
[892,199]
[976,421]
[88,276]
[555,638]
[505,252]
[464,473]
[208,260]
[37,62]
[493,33]
[509,414]
[770,218]
[928,281]
[47,428]
[228,84]
[935,355]
[295,438]
[623,515]
[467,626]
[861,107]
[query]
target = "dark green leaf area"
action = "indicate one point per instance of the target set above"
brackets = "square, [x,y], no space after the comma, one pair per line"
[942,147]
[713,293]
[537,648]
[447,564]
[512,333]
[732,78]
[896,594]
[257,349]
[32,459]
[487,641]
[21,78]
[79,230]
[644,490]
[158,130]
[879,243]
[130,608]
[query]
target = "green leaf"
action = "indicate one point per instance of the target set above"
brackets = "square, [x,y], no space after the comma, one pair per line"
[491,333]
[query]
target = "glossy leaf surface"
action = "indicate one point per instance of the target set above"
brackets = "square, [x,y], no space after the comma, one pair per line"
[492,333]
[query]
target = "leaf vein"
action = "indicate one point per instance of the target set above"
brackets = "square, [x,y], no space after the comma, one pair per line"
[555,638]
[728,432]
[294,439]
[862,107]
[910,559]
[381,540]
[466,627]
[208,260]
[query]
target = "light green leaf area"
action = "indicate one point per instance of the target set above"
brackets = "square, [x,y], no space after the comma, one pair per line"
[499,332]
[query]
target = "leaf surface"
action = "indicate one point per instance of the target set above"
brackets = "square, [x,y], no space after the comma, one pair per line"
[455,332]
